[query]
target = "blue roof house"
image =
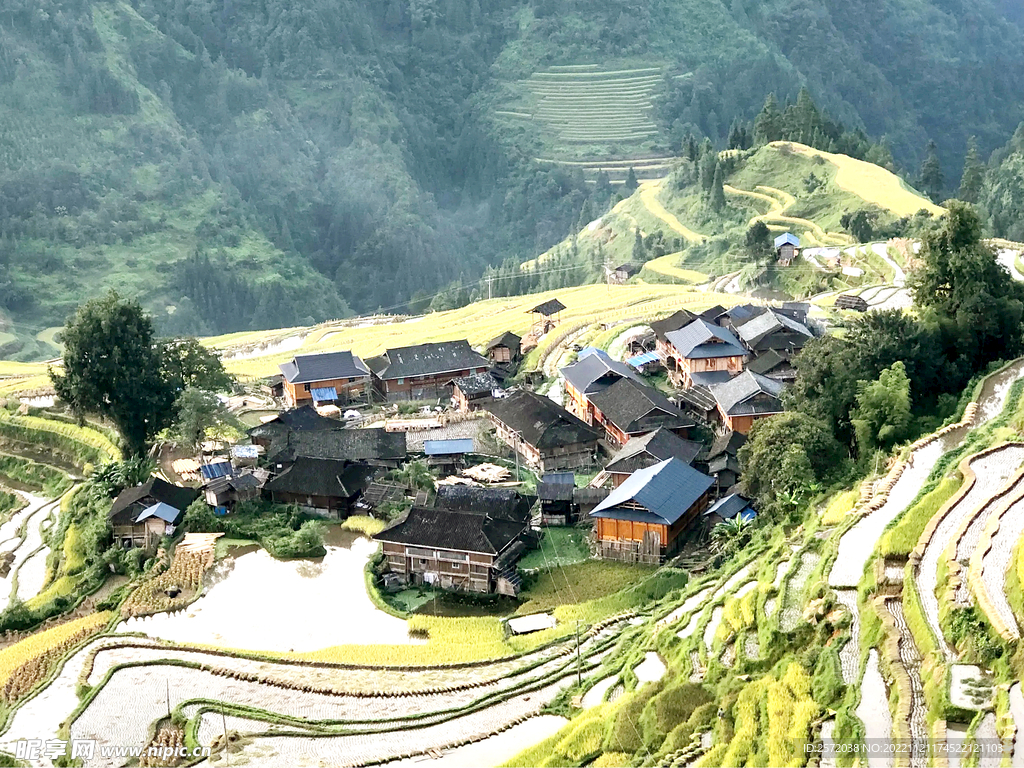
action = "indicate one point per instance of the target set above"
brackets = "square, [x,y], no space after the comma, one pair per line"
[786,246]
[642,520]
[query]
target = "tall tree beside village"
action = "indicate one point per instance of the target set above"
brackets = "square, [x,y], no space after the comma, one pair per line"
[932,179]
[112,368]
[630,184]
[883,414]
[964,289]
[973,179]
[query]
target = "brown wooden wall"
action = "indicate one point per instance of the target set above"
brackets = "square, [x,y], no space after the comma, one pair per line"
[297,394]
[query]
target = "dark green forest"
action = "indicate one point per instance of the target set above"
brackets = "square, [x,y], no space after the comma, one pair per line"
[244,164]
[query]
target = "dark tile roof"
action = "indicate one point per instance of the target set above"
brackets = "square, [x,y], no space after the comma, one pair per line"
[562,478]
[548,308]
[635,407]
[444,529]
[698,397]
[628,268]
[555,491]
[507,339]
[665,491]
[766,361]
[304,369]
[427,360]
[678,319]
[541,422]
[701,340]
[729,506]
[595,371]
[741,313]
[709,378]
[503,503]
[477,384]
[769,322]
[729,443]
[749,394]
[322,477]
[340,443]
[298,419]
[157,490]
[648,450]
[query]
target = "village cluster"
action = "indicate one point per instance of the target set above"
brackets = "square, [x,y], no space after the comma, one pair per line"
[621,458]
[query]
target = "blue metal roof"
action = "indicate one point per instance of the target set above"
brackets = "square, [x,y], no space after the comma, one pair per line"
[787,238]
[324,394]
[165,512]
[665,491]
[729,506]
[215,470]
[447,447]
[643,359]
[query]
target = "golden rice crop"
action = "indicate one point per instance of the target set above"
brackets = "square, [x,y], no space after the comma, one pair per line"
[31,660]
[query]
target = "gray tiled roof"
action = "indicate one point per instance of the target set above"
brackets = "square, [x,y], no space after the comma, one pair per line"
[304,369]
[596,371]
[648,450]
[341,443]
[444,529]
[504,503]
[666,491]
[507,339]
[678,319]
[477,384]
[548,308]
[701,340]
[427,360]
[541,422]
[635,407]
[768,322]
[322,477]
[739,395]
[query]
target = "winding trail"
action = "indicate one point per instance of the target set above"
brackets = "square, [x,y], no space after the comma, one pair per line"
[649,197]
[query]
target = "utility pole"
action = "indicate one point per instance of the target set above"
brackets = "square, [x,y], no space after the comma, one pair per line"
[227,752]
[489,280]
[168,681]
[579,669]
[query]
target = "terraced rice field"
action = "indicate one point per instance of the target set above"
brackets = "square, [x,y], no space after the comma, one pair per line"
[587,105]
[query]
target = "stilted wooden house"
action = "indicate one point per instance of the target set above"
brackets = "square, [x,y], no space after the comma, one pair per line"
[644,518]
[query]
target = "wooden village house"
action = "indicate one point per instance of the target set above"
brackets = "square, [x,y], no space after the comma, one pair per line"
[143,515]
[546,436]
[722,461]
[471,393]
[747,398]
[448,456]
[504,349]
[557,494]
[622,273]
[549,314]
[376,447]
[326,487]
[423,371]
[787,247]
[470,541]
[701,348]
[325,378]
[728,508]
[648,450]
[644,518]
[630,409]
[593,372]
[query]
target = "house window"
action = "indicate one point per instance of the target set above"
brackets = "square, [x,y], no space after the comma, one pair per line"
[423,561]
[306,387]
[401,381]
[456,566]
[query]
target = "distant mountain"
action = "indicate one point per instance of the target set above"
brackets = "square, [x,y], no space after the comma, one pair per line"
[257,163]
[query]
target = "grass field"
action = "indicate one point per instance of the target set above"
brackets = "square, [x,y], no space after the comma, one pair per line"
[560,546]
[482,321]
[870,182]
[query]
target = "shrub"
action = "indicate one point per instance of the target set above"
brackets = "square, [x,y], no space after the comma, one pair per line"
[840,506]
[623,734]
[583,741]
[672,706]
[827,683]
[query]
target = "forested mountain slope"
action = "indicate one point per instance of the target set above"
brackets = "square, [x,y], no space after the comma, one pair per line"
[259,163]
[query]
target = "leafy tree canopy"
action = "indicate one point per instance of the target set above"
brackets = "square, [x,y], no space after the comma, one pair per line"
[112,367]
[187,363]
[883,414]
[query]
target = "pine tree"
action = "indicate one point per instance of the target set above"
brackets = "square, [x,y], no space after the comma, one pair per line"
[691,147]
[768,125]
[974,174]
[631,183]
[639,251]
[718,189]
[932,179]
